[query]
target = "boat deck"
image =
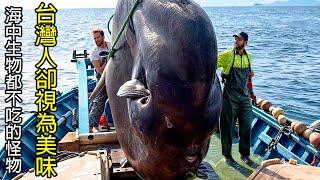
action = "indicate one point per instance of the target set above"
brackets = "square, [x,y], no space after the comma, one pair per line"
[220,169]
[213,167]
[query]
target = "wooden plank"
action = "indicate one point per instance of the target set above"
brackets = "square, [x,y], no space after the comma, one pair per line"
[286,171]
[117,156]
[69,143]
[98,138]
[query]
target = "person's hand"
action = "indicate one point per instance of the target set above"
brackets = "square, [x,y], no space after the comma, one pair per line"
[254,99]
[251,74]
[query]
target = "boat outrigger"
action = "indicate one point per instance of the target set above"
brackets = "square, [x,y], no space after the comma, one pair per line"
[269,139]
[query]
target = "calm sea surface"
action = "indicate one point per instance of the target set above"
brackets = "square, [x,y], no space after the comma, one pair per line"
[285,42]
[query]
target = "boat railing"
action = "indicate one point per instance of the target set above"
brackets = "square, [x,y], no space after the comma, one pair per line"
[85,69]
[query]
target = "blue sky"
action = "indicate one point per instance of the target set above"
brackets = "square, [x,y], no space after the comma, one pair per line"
[31,4]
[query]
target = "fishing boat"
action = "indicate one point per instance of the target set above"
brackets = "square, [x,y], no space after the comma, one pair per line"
[67,102]
[269,138]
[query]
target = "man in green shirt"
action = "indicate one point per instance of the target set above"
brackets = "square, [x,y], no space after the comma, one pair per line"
[236,68]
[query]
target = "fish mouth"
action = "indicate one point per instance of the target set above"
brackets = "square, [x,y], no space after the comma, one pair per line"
[191,159]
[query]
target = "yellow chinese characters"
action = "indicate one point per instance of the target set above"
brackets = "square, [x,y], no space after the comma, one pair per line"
[47,123]
[44,166]
[46,35]
[45,28]
[46,57]
[46,78]
[46,82]
[46,145]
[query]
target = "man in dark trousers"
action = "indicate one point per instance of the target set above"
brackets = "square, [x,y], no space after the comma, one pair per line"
[236,69]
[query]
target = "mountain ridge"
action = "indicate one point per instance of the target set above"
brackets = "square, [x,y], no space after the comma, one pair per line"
[295,3]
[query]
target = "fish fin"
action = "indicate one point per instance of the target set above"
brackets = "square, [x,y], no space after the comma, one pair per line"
[99,86]
[133,89]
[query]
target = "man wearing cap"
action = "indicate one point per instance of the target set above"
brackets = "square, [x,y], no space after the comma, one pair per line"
[236,68]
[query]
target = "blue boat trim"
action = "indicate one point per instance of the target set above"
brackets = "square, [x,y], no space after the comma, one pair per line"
[83,97]
[66,102]
[265,128]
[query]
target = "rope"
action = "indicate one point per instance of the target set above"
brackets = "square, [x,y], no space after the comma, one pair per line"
[283,131]
[65,155]
[315,160]
[112,50]
[109,24]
